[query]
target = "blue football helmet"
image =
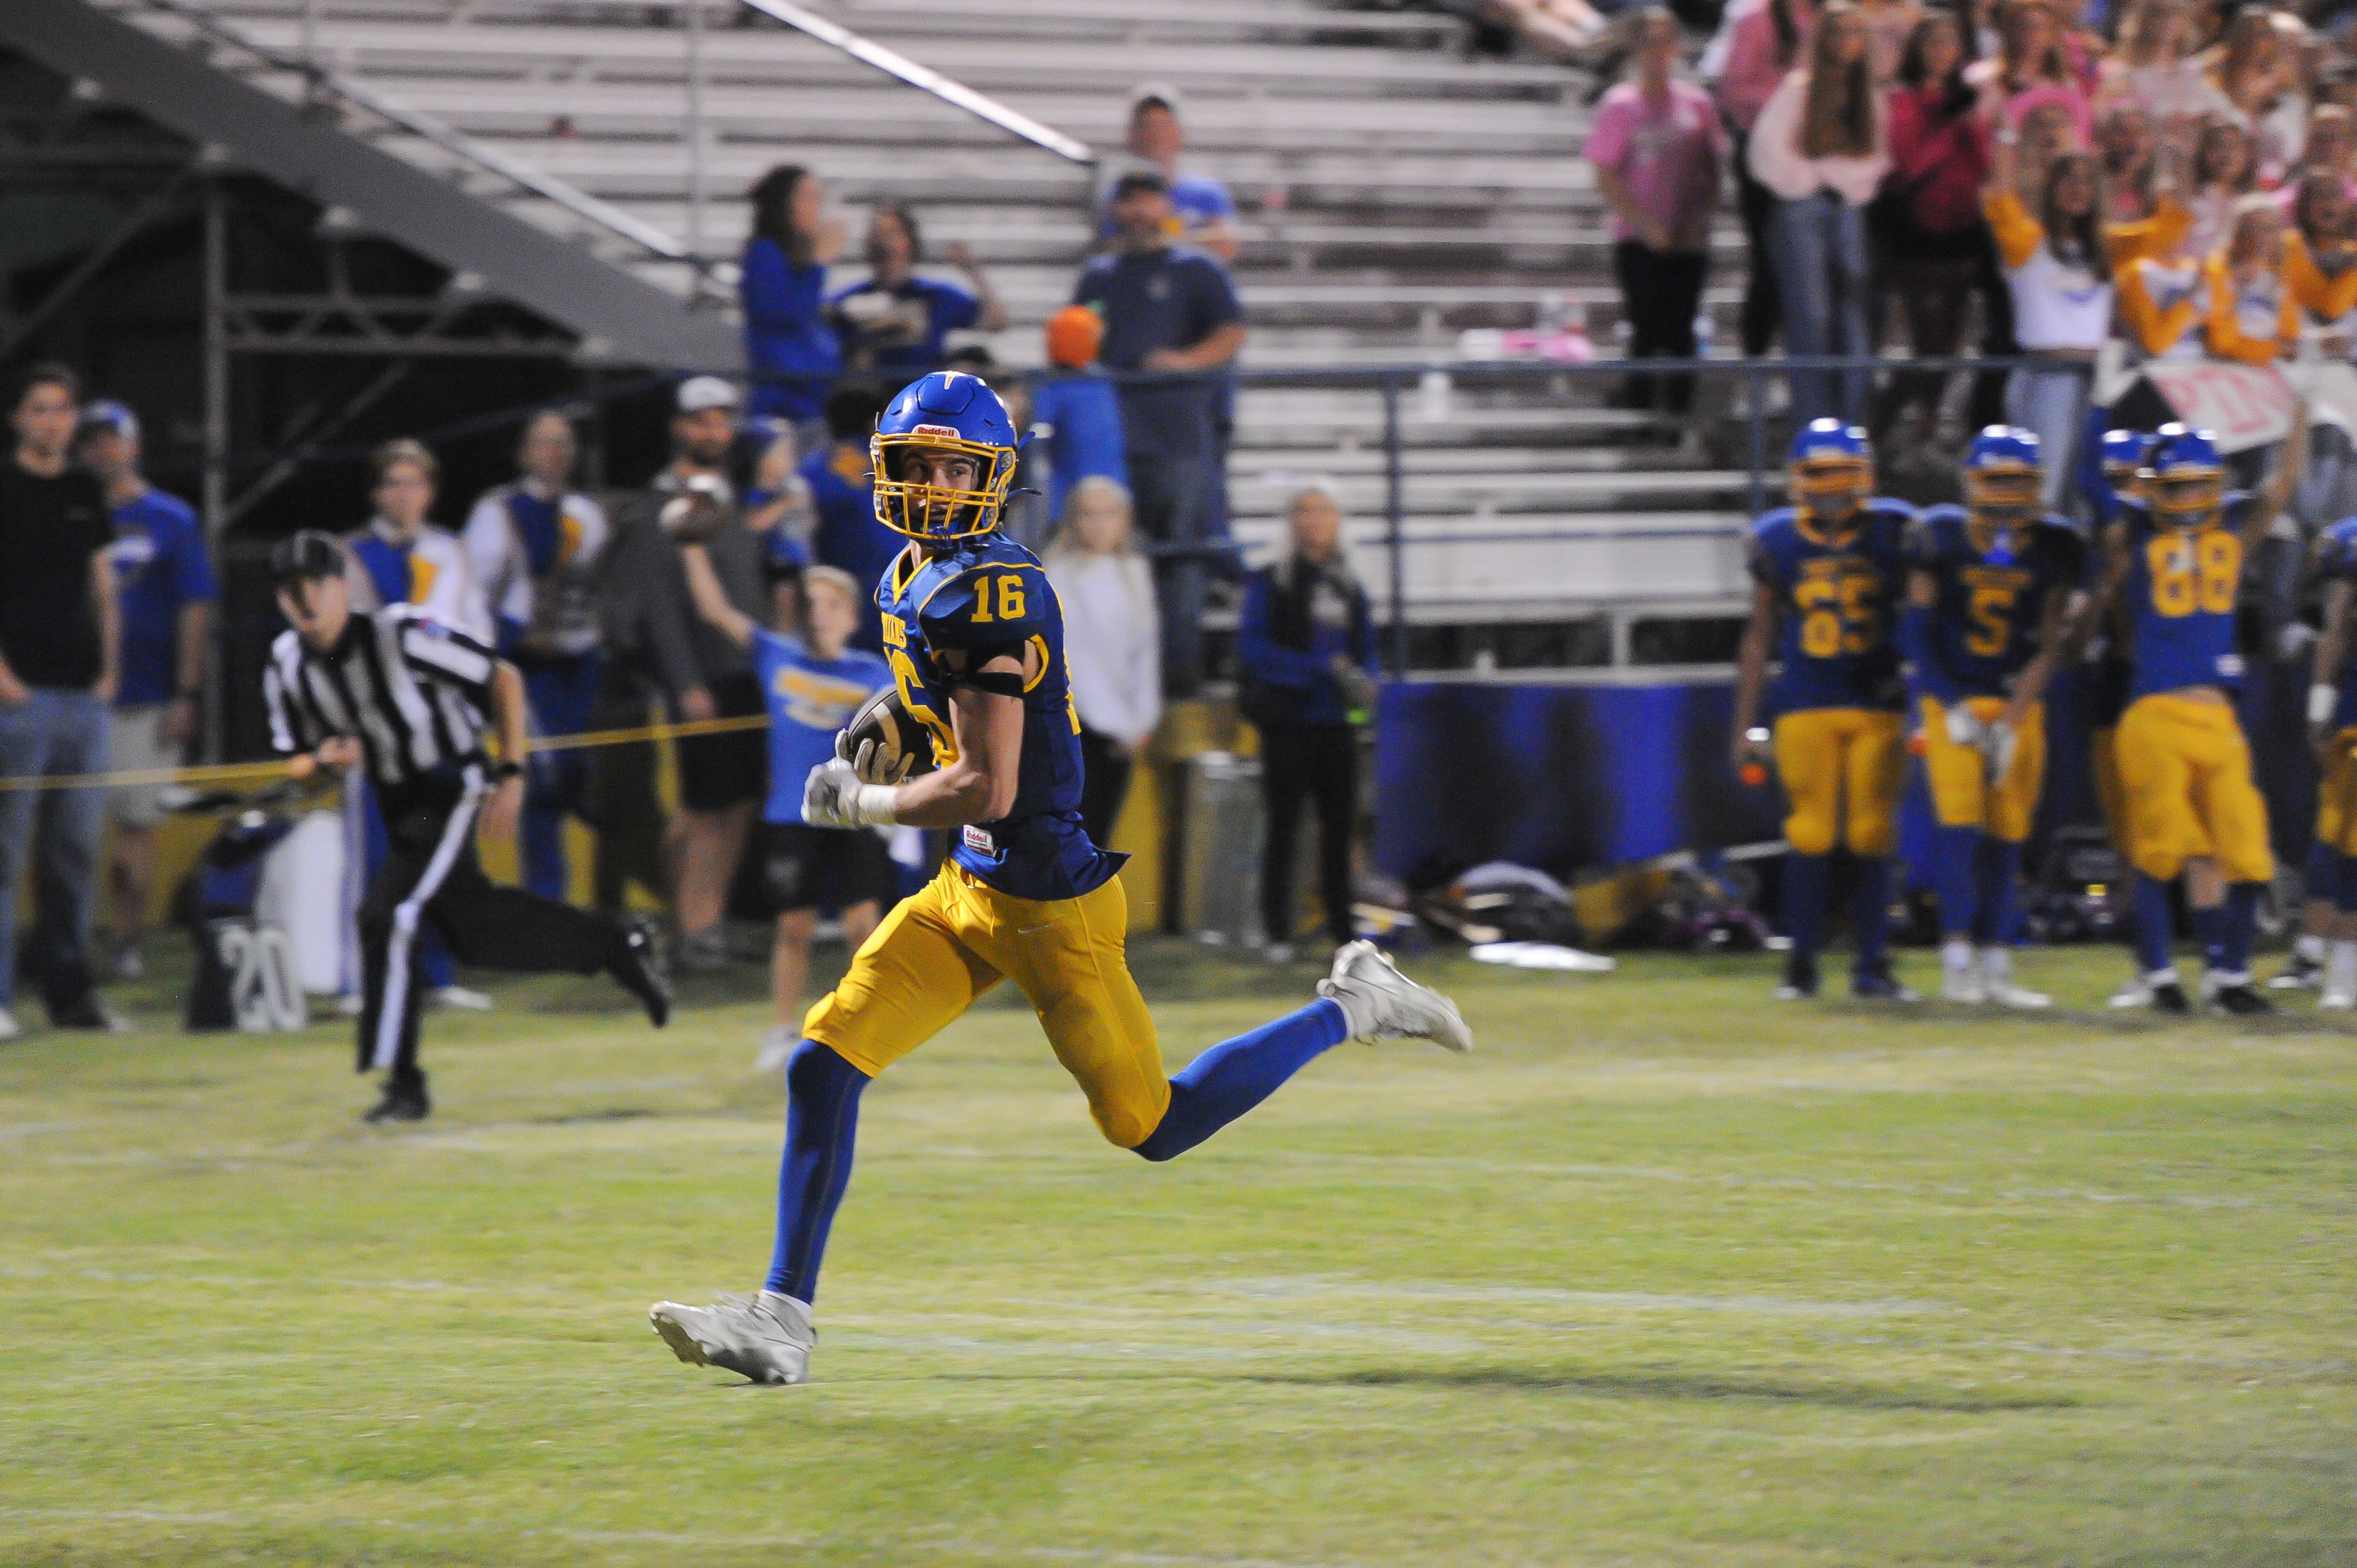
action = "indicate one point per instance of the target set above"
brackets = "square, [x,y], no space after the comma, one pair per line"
[946,411]
[2184,478]
[1832,468]
[2002,482]
[2122,454]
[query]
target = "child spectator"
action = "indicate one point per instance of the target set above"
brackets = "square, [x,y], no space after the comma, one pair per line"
[1112,643]
[894,323]
[1075,412]
[811,684]
[1655,150]
[2223,173]
[1936,243]
[781,285]
[2320,251]
[1820,146]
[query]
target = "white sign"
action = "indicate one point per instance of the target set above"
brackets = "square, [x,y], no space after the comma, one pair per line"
[2242,405]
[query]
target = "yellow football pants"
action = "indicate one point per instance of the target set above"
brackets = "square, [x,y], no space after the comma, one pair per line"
[1843,770]
[2336,797]
[2187,771]
[1962,793]
[931,956]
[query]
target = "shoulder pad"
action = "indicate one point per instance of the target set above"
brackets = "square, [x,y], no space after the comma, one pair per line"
[1770,524]
[1891,507]
[987,603]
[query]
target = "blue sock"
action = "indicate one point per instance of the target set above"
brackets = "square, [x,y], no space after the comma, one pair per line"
[2240,921]
[2154,936]
[1954,858]
[1870,910]
[1806,878]
[1236,1074]
[1998,872]
[2210,930]
[2344,885]
[2321,873]
[822,1121]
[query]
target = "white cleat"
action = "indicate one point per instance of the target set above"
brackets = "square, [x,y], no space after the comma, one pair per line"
[460,998]
[1382,1004]
[2006,993]
[2137,992]
[1961,985]
[768,1338]
[777,1048]
[9,1027]
[2333,1001]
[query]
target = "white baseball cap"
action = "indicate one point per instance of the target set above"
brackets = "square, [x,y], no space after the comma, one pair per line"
[699,392]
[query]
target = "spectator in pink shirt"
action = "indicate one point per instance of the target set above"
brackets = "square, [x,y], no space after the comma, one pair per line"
[1758,41]
[1656,153]
[1936,242]
[1821,148]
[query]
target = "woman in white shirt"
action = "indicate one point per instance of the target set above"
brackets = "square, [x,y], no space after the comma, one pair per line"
[1820,148]
[1112,643]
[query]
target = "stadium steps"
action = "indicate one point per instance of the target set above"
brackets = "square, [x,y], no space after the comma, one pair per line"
[1392,195]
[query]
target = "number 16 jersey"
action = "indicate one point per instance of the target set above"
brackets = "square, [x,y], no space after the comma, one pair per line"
[2181,589]
[990,597]
[1835,600]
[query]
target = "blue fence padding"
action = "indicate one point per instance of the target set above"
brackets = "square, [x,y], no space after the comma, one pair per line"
[1571,779]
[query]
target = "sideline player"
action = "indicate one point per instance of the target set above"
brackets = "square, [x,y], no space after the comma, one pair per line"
[2120,462]
[396,695]
[2332,724]
[976,641]
[1990,588]
[1827,573]
[2176,555]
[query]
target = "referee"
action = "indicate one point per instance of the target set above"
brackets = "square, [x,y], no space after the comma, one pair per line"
[396,692]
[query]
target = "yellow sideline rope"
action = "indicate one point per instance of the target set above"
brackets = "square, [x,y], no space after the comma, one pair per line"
[239,772]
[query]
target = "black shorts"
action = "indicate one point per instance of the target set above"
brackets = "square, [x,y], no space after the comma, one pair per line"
[805,867]
[717,771]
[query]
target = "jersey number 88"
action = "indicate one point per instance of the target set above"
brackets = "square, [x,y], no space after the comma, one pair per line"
[2203,577]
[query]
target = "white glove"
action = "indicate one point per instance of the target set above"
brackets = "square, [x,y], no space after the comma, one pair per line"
[1964,729]
[2000,742]
[2322,698]
[834,797]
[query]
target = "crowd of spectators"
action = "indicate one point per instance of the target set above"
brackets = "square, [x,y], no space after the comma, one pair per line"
[2035,177]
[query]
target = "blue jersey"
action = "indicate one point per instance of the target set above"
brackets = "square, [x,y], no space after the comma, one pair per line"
[982,597]
[809,699]
[2179,595]
[2336,558]
[160,569]
[1992,598]
[1836,601]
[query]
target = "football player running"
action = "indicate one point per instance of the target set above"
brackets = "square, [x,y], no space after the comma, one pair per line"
[2332,723]
[1827,573]
[2176,559]
[1991,585]
[976,641]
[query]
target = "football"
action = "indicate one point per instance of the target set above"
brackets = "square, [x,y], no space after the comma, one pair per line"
[903,749]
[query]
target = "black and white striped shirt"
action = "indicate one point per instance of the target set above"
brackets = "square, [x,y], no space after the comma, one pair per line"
[416,695]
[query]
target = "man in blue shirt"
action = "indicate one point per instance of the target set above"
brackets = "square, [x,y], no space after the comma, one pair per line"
[164,594]
[842,494]
[895,321]
[1203,213]
[811,684]
[1172,324]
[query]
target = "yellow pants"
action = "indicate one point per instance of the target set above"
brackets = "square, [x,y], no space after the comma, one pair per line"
[1843,770]
[1962,793]
[2336,797]
[930,957]
[2187,771]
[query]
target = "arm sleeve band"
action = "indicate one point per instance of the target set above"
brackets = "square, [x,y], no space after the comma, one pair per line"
[999,682]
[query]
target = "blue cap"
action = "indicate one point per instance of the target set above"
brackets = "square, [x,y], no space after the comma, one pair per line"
[2002,446]
[106,413]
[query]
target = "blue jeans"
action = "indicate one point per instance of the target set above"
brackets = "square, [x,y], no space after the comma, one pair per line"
[1170,493]
[2053,405]
[58,730]
[1818,247]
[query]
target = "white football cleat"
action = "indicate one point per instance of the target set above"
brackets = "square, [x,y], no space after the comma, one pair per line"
[768,1338]
[2006,993]
[1961,985]
[1382,1004]
[777,1048]
[2135,991]
[9,1027]
[460,998]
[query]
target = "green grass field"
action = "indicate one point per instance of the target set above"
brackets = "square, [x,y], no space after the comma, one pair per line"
[1663,1273]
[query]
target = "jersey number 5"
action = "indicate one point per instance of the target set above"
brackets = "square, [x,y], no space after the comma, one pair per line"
[1011,599]
[2202,575]
[1992,612]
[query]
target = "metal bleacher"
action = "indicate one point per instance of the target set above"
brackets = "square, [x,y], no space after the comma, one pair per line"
[1394,193]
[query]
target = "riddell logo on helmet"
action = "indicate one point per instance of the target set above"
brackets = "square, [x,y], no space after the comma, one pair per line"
[948,432]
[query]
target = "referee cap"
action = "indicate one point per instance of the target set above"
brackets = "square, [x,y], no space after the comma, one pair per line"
[307,556]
